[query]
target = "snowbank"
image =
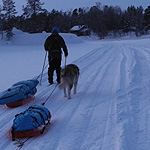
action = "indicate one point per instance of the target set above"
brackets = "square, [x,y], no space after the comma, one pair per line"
[22,38]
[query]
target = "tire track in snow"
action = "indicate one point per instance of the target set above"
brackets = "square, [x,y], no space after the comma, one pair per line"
[109,131]
[87,61]
[74,109]
[129,100]
[122,102]
[108,113]
[91,104]
[141,80]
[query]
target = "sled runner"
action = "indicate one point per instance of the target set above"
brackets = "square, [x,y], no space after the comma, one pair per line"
[19,94]
[20,102]
[32,122]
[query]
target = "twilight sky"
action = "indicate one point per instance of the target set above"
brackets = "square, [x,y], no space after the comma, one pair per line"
[71,4]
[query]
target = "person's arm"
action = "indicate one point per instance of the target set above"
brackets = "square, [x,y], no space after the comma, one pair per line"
[46,44]
[64,47]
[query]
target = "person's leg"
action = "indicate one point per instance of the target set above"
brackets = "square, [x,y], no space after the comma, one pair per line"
[58,69]
[51,71]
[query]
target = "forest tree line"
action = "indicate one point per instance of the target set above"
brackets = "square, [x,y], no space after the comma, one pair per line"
[102,20]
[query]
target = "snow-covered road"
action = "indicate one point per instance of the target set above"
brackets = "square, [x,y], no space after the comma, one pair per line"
[111,110]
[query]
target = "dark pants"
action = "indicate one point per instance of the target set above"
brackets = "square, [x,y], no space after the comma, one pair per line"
[54,64]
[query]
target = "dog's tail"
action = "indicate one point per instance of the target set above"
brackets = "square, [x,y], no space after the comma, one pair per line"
[61,85]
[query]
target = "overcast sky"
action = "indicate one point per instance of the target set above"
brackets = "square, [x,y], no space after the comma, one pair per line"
[71,4]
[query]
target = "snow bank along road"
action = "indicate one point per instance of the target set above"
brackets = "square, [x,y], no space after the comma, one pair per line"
[111,110]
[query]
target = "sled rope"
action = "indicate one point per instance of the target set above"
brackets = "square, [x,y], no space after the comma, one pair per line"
[43,68]
[41,73]
[21,143]
[50,95]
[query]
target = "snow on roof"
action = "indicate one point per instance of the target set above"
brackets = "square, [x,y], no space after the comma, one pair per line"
[77,28]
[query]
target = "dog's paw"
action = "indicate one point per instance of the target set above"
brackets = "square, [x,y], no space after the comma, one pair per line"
[69,98]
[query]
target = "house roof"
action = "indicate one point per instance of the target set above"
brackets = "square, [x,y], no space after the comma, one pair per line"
[77,28]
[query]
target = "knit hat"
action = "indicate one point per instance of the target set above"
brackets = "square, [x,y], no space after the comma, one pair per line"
[55,29]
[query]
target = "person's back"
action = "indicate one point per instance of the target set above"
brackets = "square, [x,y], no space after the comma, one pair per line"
[53,45]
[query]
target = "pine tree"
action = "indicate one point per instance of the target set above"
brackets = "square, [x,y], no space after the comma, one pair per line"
[9,14]
[1,12]
[33,7]
[1,22]
[9,9]
[147,18]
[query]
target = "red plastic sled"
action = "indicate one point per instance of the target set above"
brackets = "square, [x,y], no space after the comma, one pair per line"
[26,134]
[29,133]
[20,102]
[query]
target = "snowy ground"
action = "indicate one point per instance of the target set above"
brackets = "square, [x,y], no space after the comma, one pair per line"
[111,110]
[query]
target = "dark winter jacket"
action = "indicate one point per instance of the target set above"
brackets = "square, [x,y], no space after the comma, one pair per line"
[53,45]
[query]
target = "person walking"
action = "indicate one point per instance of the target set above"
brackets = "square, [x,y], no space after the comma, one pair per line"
[53,44]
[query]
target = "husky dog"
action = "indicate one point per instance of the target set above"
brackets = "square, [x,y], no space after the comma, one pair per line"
[69,78]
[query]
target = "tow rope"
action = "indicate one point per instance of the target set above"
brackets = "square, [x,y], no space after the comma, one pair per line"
[43,67]
[50,95]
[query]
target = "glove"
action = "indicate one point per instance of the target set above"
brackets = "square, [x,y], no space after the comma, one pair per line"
[66,54]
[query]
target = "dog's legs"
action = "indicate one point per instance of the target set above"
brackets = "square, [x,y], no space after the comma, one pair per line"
[69,91]
[65,94]
[75,88]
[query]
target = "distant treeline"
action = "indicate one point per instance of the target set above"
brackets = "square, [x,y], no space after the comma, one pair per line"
[102,20]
